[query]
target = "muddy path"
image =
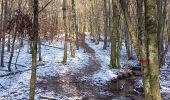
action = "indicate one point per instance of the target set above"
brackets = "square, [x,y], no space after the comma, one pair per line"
[72,85]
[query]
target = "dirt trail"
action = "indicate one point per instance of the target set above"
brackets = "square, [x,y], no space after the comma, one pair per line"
[72,85]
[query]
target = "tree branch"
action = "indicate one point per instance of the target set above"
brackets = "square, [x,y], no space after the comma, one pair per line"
[21,71]
[44,6]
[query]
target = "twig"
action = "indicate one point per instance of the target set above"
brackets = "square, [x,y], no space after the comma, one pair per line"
[45,6]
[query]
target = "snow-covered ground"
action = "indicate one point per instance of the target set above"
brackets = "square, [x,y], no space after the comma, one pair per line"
[105,73]
[165,78]
[16,86]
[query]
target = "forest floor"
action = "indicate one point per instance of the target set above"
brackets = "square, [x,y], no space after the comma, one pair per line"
[85,77]
[75,84]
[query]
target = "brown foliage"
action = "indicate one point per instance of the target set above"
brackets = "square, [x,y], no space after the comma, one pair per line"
[22,24]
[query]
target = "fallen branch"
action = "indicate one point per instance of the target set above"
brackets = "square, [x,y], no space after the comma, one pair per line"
[168,70]
[8,74]
[47,98]
[52,46]
[4,70]
[17,64]
[24,65]
[14,73]
[19,72]
[48,45]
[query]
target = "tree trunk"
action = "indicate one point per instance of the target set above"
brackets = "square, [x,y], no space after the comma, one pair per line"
[9,43]
[105,24]
[34,50]
[9,18]
[12,53]
[152,48]
[3,33]
[66,34]
[161,24]
[143,54]
[127,42]
[130,26]
[168,31]
[91,24]
[113,60]
[119,40]
[17,57]
[39,49]
[1,27]
[73,29]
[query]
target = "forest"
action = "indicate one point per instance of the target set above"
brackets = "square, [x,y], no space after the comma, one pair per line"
[84,49]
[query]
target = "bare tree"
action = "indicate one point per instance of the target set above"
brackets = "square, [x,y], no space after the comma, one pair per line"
[66,34]
[152,48]
[34,49]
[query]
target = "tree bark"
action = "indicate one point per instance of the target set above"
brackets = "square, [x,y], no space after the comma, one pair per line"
[143,54]
[4,8]
[105,24]
[34,50]
[12,53]
[119,40]
[73,29]
[151,26]
[66,34]
[131,27]
[113,58]
[127,42]
[39,49]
